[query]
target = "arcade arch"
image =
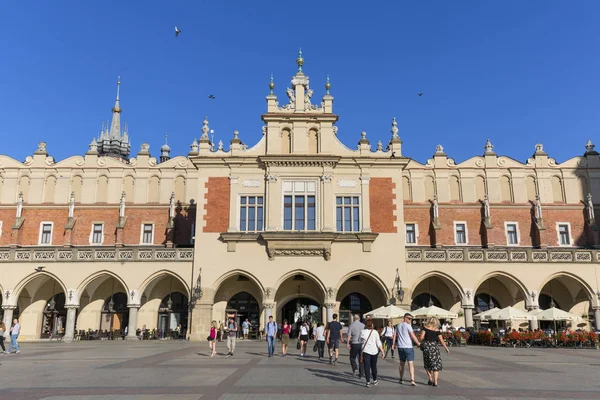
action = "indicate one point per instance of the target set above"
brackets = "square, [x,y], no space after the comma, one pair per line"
[359,293]
[439,288]
[238,293]
[505,290]
[299,295]
[154,312]
[96,293]
[568,293]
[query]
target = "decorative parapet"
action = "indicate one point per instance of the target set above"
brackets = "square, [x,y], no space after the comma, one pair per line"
[298,243]
[477,254]
[94,254]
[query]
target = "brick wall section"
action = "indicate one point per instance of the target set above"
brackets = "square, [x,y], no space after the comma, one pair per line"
[381,198]
[422,218]
[30,230]
[217,205]
[136,217]
[7,216]
[83,225]
[579,232]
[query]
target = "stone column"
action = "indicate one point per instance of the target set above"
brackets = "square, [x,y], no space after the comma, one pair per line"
[533,323]
[597,317]
[365,204]
[201,319]
[132,325]
[268,308]
[328,222]
[468,310]
[330,309]
[8,315]
[70,324]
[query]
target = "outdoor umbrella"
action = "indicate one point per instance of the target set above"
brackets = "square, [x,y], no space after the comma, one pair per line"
[387,312]
[433,311]
[509,314]
[484,314]
[554,314]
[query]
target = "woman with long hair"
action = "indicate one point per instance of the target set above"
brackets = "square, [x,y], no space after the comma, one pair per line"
[285,337]
[320,338]
[212,339]
[371,346]
[429,338]
[387,334]
[303,338]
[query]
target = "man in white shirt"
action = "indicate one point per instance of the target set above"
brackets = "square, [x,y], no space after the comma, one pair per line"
[403,338]
[14,335]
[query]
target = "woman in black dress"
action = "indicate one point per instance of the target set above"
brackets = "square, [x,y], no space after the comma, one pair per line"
[429,338]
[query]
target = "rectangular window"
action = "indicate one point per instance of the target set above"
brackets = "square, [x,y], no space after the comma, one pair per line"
[347,213]
[46,233]
[564,235]
[97,233]
[299,206]
[512,234]
[411,234]
[460,229]
[147,234]
[251,213]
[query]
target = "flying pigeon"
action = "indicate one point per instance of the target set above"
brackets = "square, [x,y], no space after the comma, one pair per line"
[420,94]
[177,31]
[39,269]
[212,96]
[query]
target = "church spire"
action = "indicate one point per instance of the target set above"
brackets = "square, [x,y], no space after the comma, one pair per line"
[115,126]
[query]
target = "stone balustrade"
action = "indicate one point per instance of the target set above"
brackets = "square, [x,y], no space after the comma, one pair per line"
[497,254]
[49,254]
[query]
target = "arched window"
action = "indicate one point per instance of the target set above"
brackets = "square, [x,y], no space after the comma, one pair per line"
[102,190]
[429,188]
[454,188]
[180,189]
[128,188]
[154,190]
[479,187]
[1,187]
[49,189]
[423,300]
[530,187]
[286,142]
[406,194]
[76,185]
[582,188]
[557,190]
[505,189]
[24,188]
[313,142]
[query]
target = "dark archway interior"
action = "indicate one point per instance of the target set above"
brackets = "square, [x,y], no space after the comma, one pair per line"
[245,306]
[354,303]
[424,300]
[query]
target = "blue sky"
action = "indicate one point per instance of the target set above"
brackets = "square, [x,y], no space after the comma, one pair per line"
[518,72]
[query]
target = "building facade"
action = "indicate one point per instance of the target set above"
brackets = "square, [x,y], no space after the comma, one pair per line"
[296,223]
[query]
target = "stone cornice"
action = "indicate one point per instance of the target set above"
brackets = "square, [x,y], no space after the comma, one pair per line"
[298,243]
[91,254]
[300,161]
[501,254]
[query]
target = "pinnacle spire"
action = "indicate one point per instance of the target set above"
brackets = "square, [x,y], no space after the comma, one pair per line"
[115,126]
[300,62]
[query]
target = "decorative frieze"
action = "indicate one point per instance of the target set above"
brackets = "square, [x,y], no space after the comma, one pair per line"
[95,254]
[466,254]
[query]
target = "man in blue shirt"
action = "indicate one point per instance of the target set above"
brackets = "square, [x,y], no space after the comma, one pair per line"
[271,334]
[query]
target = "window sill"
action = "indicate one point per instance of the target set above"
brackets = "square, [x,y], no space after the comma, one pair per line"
[298,243]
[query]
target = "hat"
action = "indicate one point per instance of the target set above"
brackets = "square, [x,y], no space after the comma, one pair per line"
[407,315]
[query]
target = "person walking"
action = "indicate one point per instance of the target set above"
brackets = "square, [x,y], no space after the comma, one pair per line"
[2,333]
[303,338]
[430,336]
[14,335]
[354,345]
[271,334]
[371,346]
[388,335]
[404,337]
[320,338]
[232,330]
[285,337]
[246,328]
[221,331]
[334,334]
[212,339]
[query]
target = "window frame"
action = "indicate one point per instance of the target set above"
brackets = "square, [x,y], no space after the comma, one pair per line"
[255,206]
[569,231]
[306,194]
[142,234]
[351,206]
[416,231]
[466,243]
[506,224]
[40,243]
[92,243]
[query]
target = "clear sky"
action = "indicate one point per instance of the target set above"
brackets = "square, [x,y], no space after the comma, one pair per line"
[518,72]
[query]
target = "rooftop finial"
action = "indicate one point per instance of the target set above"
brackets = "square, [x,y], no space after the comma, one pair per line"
[589,146]
[300,62]
[205,129]
[271,85]
[394,128]
[118,86]
[327,85]
[489,148]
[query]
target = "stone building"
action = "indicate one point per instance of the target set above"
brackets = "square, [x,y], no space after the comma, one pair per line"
[296,223]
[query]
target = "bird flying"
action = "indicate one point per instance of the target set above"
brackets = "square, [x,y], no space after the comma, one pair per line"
[212,96]
[39,269]
[177,31]
[419,94]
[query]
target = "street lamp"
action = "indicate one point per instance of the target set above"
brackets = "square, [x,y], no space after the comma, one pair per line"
[398,292]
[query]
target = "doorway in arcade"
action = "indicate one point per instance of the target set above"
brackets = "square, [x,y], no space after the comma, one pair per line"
[301,309]
[243,305]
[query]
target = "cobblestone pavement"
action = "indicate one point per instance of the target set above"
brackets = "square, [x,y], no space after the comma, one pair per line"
[183,371]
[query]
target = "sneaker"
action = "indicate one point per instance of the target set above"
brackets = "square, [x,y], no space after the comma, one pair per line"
[18,351]
[400,381]
[335,361]
[330,360]
[375,382]
[368,385]
[354,373]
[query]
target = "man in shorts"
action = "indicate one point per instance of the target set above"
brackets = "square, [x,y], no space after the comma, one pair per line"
[334,335]
[403,338]
[246,328]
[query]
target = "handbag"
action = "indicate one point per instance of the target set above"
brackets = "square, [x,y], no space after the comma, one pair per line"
[362,358]
[315,347]
[298,345]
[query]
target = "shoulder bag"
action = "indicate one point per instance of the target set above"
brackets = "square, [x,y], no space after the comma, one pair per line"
[362,358]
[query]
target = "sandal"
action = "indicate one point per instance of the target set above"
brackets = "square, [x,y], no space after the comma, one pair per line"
[412,383]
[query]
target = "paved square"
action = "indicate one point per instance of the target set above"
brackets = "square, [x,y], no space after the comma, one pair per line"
[179,370]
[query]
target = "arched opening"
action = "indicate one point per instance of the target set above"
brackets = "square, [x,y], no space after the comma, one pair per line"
[504,291]
[49,189]
[245,306]
[455,194]
[94,312]
[479,187]
[506,189]
[313,141]
[484,302]
[286,141]
[173,316]
[41,308]
[300,296]
[545,302]
[406,193]
[425,300]
[568,294]
[359,294]
[557,190]
[429,188]
[531,188]
[115,314]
